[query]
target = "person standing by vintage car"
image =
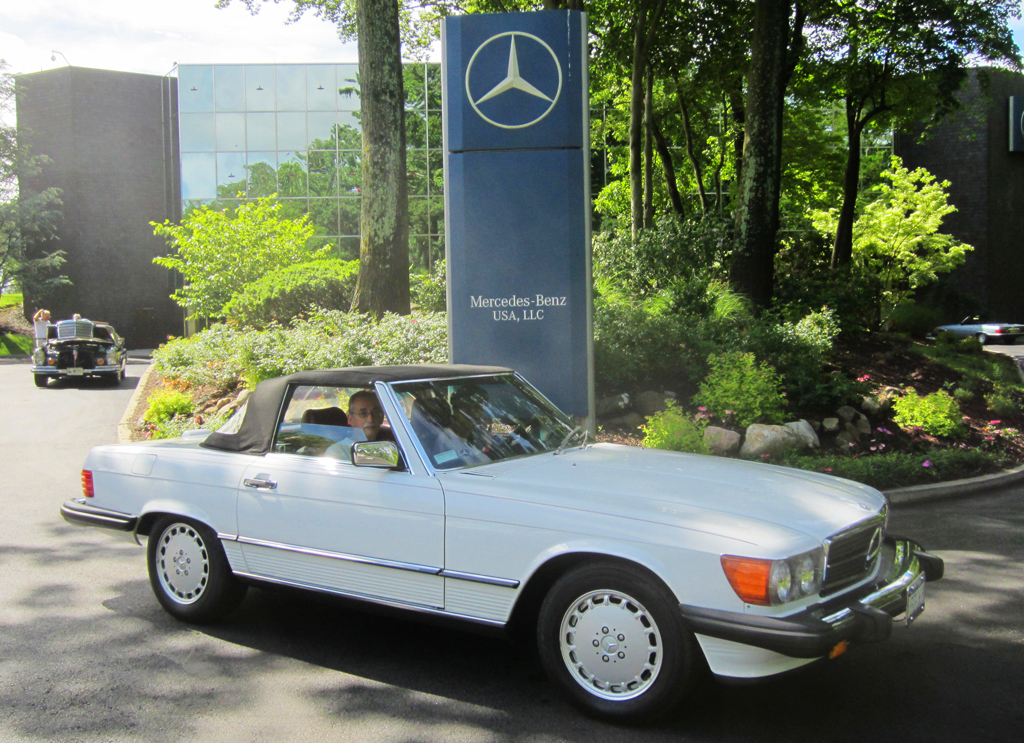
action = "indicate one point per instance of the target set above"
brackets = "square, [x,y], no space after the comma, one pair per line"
[80,348]
[40,323]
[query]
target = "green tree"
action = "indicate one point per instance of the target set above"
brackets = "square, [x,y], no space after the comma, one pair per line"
[29,215]
[218,253]
[898,62]
[896,238]
[384,219]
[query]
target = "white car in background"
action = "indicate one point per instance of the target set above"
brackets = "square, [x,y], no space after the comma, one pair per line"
[481,502]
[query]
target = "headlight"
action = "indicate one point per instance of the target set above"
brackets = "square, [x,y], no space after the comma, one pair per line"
[774,582]
[38,357]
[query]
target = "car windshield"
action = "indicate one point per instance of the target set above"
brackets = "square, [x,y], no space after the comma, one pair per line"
[476,420]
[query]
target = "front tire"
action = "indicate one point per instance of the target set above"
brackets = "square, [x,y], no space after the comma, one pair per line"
[189,572]
[612,639]
[41,380]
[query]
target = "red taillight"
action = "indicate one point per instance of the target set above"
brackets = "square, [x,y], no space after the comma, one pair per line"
[87,490]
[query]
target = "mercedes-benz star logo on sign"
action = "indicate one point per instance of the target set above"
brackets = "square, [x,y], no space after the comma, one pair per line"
[542,62]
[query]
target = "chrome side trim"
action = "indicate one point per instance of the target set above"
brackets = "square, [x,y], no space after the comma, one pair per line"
[435,611]
[473,578]
[393,564]
[409,567]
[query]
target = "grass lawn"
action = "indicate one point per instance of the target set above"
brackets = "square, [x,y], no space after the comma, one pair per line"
[15,345]
[9,300]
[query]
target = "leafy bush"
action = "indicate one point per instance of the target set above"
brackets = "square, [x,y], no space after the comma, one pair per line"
[914,319]
[896,238]
[938,413]
[284,294]
[737,383]
[429,289]
[896,470]
[671,255]
[166,404]
[224,356]
[673,430]
[219,252]
[1001,402]
[175,427]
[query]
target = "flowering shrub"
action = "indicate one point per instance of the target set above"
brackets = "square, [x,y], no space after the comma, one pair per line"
[752,392]
[674,430]
[938,413]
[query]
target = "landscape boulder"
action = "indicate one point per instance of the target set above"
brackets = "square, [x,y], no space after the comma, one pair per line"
[805,431]
[721,440]
[612,405]
[761,439]
[650,403]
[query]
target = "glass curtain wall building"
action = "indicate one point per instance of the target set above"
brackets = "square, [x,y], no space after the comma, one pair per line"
[249,131]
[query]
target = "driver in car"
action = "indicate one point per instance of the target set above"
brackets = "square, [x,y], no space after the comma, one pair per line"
[365,416]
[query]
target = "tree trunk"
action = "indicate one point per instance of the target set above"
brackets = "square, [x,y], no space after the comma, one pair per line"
[649,150]
[669,168]
[636,107]
[690,153]
[643,36]
[842,248]
[757,210]
[383,284]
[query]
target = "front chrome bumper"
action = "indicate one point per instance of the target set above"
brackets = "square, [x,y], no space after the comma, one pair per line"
[864,615]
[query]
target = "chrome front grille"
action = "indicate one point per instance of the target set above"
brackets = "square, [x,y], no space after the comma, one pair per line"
[851,555]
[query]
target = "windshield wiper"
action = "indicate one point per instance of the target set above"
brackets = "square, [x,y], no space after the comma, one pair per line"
[572,433]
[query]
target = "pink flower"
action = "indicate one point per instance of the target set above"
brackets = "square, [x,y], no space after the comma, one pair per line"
[828,469]
[764,456]
[991,423]
[728,412]
[926,463]
[865,378]
[702,409]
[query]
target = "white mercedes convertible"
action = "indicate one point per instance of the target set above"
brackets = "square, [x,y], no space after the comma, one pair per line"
[462,492]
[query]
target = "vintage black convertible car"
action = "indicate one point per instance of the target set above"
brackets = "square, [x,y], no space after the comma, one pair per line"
[79,348]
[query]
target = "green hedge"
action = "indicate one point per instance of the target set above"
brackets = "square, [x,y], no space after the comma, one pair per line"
[223,356]
[283,295]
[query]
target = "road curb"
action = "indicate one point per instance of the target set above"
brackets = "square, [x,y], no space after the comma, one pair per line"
[131,413]
[954,489]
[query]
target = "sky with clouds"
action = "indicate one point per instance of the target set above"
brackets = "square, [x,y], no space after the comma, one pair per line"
[150,36]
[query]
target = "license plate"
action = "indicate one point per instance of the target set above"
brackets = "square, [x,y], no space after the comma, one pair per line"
[76,371]
[915,599]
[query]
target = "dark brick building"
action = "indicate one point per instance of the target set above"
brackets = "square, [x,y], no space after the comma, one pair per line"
[970,149]
[113,142]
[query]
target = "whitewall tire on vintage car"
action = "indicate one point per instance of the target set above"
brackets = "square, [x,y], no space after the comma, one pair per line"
[189,572]
[612,638]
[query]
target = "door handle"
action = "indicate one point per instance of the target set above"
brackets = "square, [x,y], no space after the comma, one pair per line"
[259,483]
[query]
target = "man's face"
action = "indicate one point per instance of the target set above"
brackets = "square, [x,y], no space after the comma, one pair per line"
[366,413]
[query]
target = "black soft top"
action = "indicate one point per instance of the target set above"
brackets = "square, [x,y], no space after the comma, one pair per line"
[256,434]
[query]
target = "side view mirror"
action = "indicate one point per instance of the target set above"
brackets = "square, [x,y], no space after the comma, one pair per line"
[377,454]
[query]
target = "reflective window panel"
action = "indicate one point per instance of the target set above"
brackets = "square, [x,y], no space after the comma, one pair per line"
[229,82]
[321,87]
[259,88]
[291,87]
[198,175]
[195,88]
[197,132]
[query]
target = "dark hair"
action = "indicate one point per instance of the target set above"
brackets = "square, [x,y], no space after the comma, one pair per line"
[368,394]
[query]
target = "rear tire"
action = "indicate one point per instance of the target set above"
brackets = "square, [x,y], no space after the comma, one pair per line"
[612,639]
[982,338]
[189,572]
